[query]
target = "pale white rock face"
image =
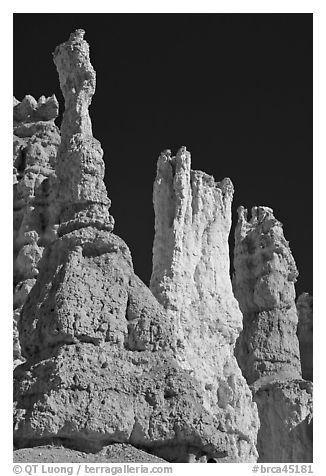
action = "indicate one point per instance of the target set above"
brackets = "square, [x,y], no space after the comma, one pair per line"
[268,348]
[191,280]
[190,255]
[305,334]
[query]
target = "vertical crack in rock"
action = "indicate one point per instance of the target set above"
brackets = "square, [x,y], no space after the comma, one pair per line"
[191,280]
[102,359]
[305,334]
[268,348]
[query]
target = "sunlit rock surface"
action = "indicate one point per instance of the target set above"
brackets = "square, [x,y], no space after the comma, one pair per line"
[191,280]
[104,359]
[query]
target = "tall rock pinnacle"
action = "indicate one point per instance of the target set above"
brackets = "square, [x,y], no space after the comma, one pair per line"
[81,194]
[191,255]
[265,273]
[77,82]
[191,280]
[268,348]
[105,361]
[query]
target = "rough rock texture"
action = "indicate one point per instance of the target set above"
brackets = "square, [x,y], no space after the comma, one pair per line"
[98,366]
[81,192]
[263,283]
[267,349]
[305,334]
[191,280]
[286,424]
[117,453]
[103,361]
[36,140]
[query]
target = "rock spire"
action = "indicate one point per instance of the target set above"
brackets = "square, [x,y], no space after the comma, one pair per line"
[81,193]
[185,370]
[268,348]
[103,360]
[263,283]
[191,280]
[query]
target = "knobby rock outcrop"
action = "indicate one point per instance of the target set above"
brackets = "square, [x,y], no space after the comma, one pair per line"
[36,141]
[268,348]
[105,361]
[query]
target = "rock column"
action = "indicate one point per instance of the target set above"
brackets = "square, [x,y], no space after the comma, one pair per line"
[191,280]
[81,193]
[268,348]
[263,283]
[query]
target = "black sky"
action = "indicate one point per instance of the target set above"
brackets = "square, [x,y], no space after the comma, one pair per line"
[236,89]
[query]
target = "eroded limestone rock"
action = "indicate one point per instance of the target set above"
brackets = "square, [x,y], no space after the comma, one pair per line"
[36,141]
[81,192]
[305,334]
[268,349]
[286,423]
[263,283]
[31,111]
[103,363]
[191,280]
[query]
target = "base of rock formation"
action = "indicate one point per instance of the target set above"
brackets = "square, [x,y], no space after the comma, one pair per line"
[118,453]
[285,413]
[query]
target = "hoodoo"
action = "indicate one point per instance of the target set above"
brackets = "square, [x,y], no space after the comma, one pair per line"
[191,280]
[106,362]
[268,348]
